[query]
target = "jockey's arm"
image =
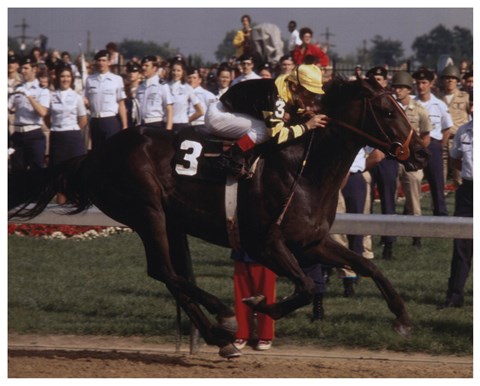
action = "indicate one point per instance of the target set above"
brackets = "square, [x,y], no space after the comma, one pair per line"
[284,132]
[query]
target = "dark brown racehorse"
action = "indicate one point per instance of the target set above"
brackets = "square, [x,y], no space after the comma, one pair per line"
[285,211]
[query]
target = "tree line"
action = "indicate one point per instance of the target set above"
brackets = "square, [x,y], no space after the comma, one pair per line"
[456,43]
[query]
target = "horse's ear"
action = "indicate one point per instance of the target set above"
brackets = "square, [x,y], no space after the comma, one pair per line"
[372,84]
[335,81]
[335,92]
[341,77]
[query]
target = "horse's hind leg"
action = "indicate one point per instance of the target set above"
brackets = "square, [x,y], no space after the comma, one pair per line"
[161,269]
[331,252]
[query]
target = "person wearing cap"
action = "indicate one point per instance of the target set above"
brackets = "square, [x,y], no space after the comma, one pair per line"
[247,68]
[441,122]
[252,112]
[462,256]
[205,97]
[30,103]
[132,81]
[458,103]
[379,73]
[14,80]
[183,95]
[411,182]
[14,77]
[266,71]
[105,96]
[384,175]
[308,48]
[154,98]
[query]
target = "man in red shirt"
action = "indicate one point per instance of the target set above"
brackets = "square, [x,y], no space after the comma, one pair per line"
[309,49]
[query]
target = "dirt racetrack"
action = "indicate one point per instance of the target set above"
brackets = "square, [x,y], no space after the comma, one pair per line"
[31,356]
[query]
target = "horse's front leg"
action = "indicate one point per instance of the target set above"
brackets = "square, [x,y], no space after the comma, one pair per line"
[331,252]
[278,258]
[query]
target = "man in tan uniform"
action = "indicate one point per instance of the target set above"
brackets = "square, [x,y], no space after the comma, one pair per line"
[402,84]
[458,103]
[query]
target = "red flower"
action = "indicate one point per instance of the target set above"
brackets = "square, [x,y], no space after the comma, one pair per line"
[45,230]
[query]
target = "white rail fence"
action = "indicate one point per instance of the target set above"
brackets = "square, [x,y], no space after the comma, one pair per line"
[345,223]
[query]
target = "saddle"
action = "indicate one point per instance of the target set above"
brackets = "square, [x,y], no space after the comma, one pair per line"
[206,157]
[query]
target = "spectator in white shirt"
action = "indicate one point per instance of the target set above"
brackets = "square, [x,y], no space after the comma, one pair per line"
[294,39]
[246,63]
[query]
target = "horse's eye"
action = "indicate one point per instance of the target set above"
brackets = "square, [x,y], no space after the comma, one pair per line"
[388,113]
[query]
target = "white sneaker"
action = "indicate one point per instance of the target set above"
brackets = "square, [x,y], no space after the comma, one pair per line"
[263,345]
[240,343]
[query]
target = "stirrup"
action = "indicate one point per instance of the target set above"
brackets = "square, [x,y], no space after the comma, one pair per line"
[233,162]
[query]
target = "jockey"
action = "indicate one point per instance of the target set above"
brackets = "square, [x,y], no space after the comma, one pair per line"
[256,110]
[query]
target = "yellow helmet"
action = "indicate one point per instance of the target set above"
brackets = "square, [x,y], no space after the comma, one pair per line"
[308,76]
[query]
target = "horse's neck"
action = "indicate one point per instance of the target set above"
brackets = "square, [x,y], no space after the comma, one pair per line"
[331,157]
[326,164]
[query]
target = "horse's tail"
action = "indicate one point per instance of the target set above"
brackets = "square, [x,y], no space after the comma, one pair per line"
[29,192]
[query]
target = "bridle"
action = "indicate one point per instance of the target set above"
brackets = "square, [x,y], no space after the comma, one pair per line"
[394,149]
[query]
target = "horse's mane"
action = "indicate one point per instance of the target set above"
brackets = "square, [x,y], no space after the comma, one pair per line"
[340,90]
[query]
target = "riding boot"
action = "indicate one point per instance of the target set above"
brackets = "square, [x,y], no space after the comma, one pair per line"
[348,290]
[317,311]
[387,253]
[233,162]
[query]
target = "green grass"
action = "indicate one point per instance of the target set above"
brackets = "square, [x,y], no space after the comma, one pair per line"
[100,287]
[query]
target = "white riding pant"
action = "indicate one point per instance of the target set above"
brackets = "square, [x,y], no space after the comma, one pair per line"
[223,123]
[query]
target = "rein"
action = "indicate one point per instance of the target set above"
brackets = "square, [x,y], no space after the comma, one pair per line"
[295,183]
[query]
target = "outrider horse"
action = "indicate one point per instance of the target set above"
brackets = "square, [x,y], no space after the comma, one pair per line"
[285,210]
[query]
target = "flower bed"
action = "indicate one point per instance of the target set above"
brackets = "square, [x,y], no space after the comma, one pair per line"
[71,232]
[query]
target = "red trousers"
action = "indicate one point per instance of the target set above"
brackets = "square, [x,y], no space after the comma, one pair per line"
[249,280]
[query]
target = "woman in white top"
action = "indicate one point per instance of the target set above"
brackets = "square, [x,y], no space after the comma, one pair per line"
[182,94]
[68,117]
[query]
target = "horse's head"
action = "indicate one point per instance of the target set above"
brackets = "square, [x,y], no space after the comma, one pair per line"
[368,109]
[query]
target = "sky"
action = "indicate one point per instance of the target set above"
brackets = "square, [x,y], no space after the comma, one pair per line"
[201,30]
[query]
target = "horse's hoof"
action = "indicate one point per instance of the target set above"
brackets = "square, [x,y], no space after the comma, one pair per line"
[254,301]
[229,351]
[228,324]
[404,330]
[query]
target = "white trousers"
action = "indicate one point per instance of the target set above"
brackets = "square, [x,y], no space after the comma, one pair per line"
[222,123]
